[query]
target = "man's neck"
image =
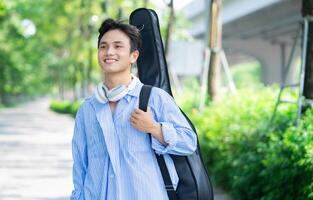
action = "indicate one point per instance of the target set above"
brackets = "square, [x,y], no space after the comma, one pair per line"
[113,80]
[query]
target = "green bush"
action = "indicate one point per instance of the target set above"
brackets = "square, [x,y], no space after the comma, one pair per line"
[74,107]
[65,107]
[251,159]
[288,162]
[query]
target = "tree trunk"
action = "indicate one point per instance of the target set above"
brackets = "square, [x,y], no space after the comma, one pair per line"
[90,52]
[215,43]
[105,7]
[61,82]
[145,3]
[2,80]
[89,70]
[307,10]
[169,29]
[119,14]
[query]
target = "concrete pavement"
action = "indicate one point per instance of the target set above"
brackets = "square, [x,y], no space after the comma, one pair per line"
[35,153]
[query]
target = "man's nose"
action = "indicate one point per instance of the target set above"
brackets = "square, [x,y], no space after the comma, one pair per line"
[109,50]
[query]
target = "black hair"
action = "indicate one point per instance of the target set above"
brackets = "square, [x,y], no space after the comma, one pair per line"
[131,31]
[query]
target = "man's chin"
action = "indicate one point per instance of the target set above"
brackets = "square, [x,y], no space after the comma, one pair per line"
[106,65]
[110,70]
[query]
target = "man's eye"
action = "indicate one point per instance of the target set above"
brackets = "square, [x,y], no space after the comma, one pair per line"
[118,46]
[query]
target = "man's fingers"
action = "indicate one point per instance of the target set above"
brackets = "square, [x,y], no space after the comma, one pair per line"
[135,115]
[137,110]
[133,118]
[132,121]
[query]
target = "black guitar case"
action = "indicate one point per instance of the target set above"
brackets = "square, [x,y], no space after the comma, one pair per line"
[194,183]
[152,51]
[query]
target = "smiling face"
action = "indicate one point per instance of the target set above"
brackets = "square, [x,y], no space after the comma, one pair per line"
[114,54]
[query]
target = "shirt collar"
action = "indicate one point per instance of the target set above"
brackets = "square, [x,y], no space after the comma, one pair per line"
[134,92]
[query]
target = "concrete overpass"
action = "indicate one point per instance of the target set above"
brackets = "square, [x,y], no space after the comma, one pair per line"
[263,30]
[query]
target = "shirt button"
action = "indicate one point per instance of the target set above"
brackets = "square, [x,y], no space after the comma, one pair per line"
[111,175]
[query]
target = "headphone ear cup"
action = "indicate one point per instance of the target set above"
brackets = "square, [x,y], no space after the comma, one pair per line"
[100,94]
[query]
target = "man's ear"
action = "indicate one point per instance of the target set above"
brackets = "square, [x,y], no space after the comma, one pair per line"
[134,56]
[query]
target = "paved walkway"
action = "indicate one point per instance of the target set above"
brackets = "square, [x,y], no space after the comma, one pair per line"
[35,154]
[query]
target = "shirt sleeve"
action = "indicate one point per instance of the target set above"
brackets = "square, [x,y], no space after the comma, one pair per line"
[79,151]
[177,133]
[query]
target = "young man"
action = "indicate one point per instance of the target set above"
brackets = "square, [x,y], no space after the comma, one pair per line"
[113,155]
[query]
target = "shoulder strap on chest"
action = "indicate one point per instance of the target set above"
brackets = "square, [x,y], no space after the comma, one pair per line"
[144,97]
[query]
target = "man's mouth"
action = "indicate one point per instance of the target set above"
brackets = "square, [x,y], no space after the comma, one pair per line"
[109,60]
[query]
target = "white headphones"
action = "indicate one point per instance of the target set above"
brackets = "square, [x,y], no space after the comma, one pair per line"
[103,94]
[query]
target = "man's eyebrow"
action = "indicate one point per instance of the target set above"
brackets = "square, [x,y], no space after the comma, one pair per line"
[118,42]
[115,42]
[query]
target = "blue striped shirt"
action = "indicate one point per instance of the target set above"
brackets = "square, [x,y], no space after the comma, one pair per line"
[115,161]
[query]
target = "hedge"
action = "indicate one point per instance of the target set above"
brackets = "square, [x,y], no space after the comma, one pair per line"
[250,159]
[65,107]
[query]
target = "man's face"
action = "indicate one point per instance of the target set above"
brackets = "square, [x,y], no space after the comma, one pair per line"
[114,52]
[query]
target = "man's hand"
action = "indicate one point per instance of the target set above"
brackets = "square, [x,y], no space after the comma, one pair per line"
[143,121]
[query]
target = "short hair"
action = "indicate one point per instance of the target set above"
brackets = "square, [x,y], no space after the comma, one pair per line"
[131,31]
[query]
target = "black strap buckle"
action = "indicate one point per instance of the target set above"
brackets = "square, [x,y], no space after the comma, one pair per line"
[169,188]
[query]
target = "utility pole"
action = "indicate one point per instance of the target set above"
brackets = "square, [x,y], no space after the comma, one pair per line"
[170,25]
[215,44]
[145,3]
[307,11]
